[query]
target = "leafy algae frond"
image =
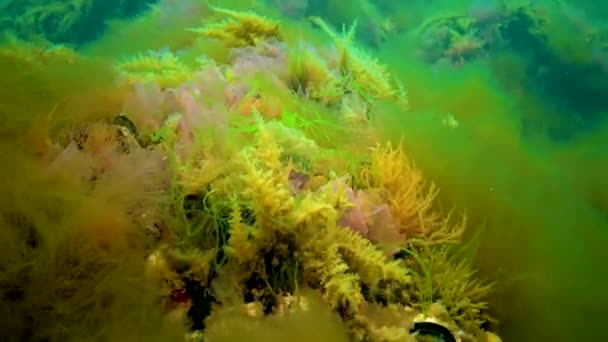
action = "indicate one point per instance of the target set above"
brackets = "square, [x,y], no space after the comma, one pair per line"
[455,284]
[240,29]
[367,74]
[163,67]
[410,199]
[311,75]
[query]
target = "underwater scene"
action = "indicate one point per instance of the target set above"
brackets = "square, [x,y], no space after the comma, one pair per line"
[303,170]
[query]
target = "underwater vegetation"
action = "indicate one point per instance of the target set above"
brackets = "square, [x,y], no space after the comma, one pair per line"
[74,21]
[559,49]
[276,170]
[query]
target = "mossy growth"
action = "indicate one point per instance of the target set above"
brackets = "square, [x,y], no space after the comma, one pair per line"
[74,227]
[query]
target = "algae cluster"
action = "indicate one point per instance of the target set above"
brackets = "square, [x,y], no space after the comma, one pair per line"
[203,173]
[232,187]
